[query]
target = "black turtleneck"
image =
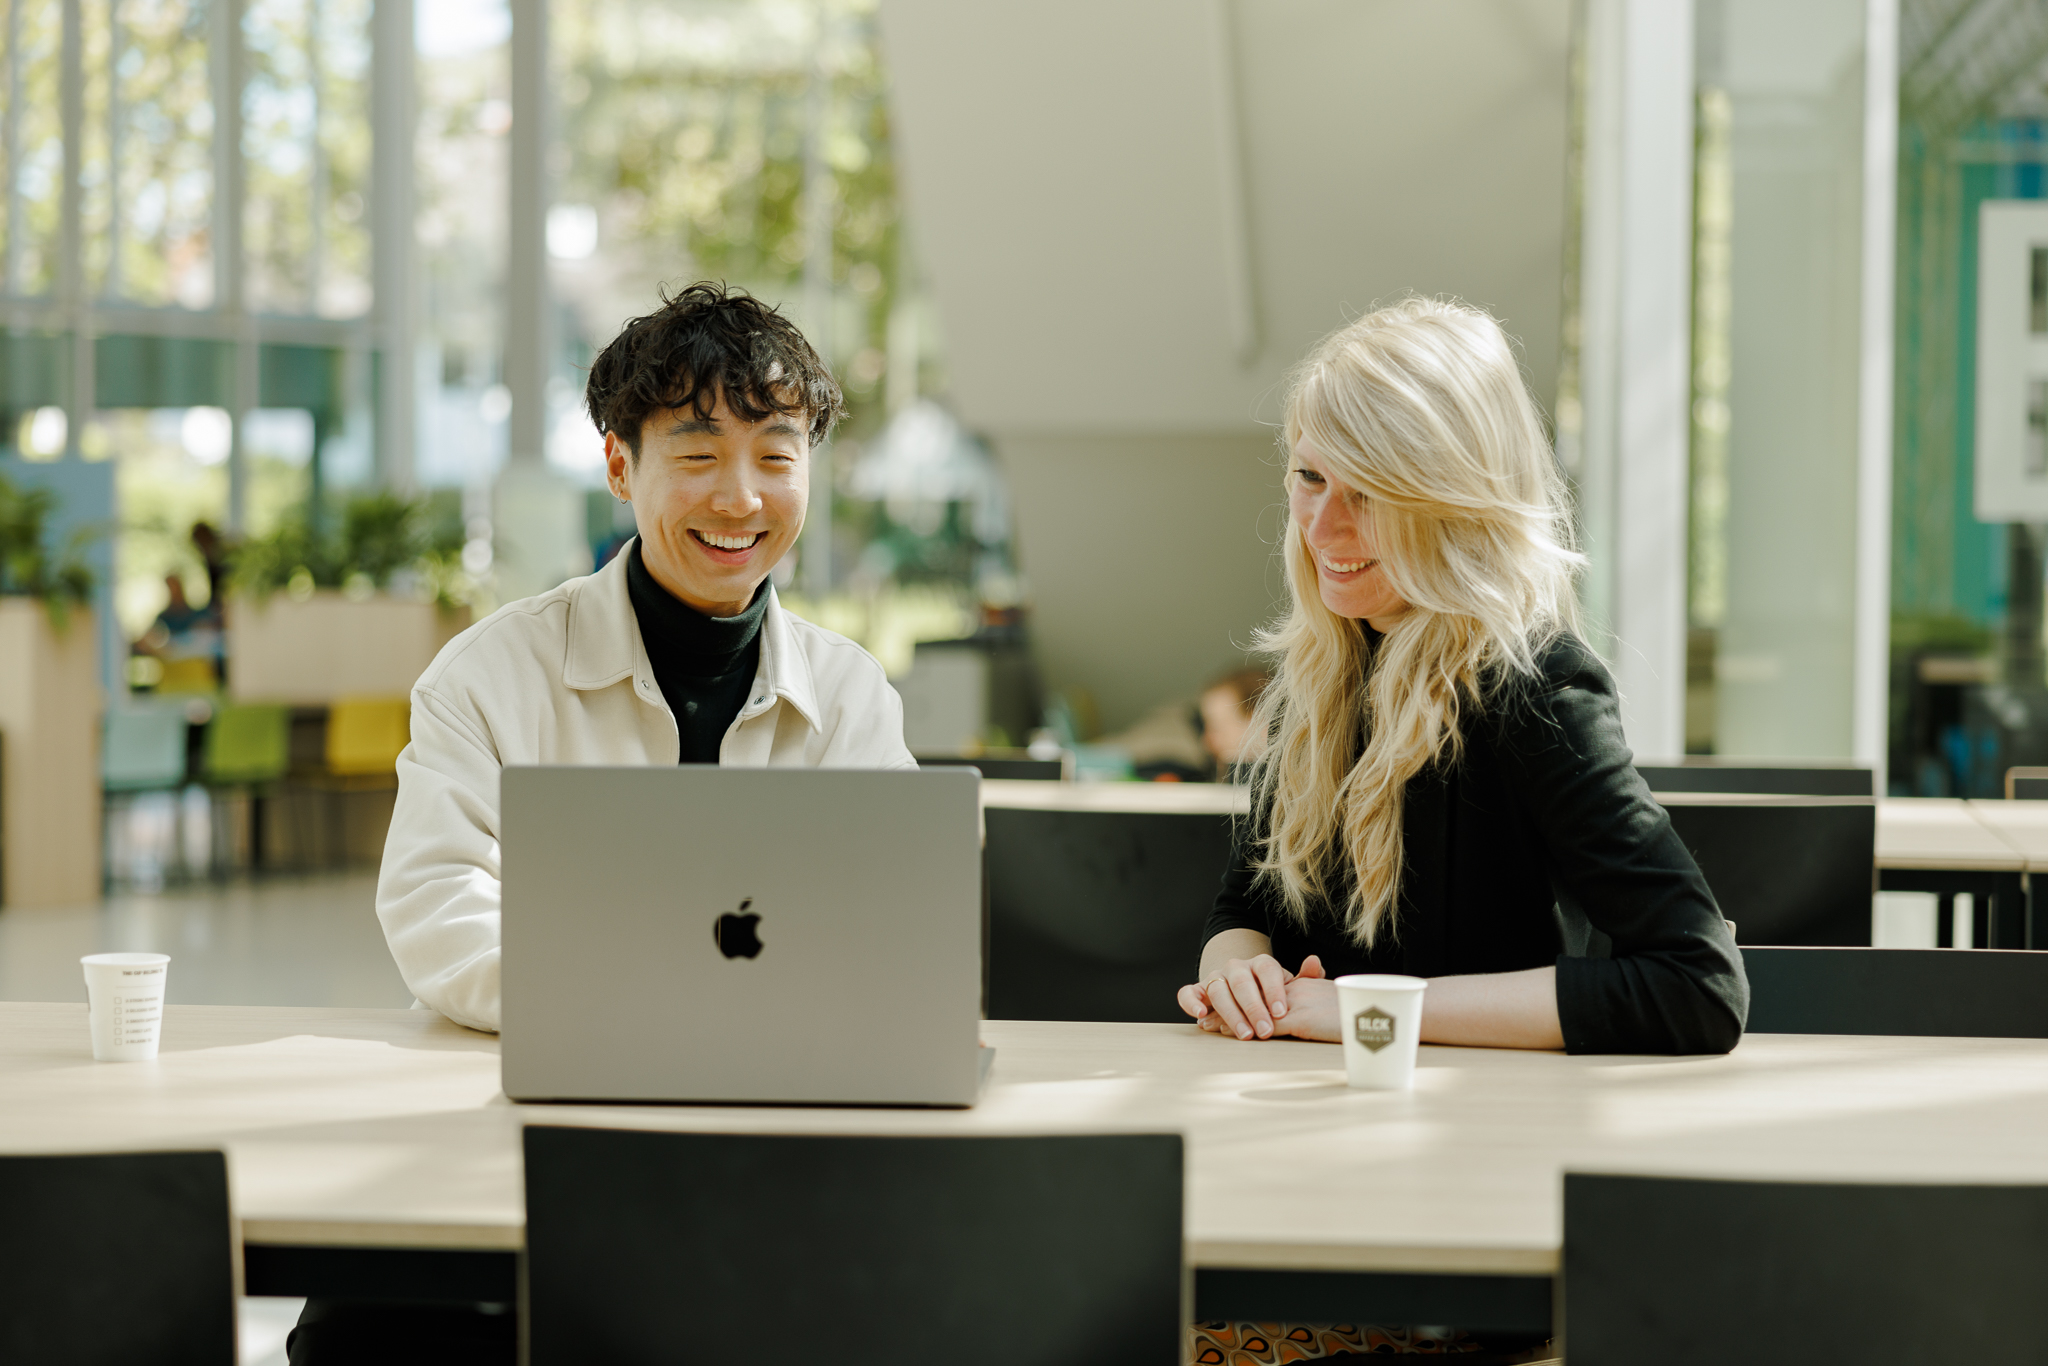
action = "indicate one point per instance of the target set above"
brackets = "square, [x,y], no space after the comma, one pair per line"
[705,665]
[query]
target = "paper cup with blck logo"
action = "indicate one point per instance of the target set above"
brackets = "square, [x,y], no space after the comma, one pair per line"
[1380,1021]
[125,1004]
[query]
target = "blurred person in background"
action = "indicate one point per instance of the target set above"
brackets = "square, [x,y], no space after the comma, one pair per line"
[1226,709]
[214,554]
[1192,742]
[185,640]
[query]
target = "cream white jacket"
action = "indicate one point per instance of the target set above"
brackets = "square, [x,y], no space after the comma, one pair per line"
[564,679]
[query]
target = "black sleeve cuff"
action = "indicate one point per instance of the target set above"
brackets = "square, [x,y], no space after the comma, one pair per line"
[1645,1005]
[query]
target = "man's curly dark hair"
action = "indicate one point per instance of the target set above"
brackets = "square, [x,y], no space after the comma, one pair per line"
[706,343]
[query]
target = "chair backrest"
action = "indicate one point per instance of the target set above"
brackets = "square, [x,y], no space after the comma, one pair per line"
[1840,780]
[365,735]
[1932,993]
[117,1258]
[1097,915]
[779,1250]
[1786,870]
[191,675]
[1006,766]
[2026,784]
[1669,1272]
[143,749]
[247,744]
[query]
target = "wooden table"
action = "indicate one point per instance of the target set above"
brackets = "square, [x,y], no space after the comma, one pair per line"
[2021,827]
[1943,833]
[1176,799]
[1949,845]
[372,1152]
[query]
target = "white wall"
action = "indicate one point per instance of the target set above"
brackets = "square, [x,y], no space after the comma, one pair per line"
[1157,552]
[1136,215]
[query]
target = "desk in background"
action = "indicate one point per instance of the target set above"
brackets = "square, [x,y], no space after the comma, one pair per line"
[373,1154]
[1951,845]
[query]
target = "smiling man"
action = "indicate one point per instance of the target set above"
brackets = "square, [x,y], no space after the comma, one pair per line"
[675,652]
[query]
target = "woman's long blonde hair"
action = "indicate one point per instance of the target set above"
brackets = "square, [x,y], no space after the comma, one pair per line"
[1421,408]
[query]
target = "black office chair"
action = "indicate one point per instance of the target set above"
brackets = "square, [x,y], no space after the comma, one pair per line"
[1782,780]
[1931,993]
[1097,915]
[780,1250]
[110,1259]
[1011,767]
[1786,870]
[1669,1272]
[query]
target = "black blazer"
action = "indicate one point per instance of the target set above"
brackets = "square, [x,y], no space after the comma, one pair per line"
[1541,845]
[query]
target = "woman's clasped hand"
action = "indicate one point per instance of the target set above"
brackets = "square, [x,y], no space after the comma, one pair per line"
[1256,998]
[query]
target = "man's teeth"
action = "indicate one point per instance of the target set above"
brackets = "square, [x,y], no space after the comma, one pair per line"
[1348,566]
[728,542]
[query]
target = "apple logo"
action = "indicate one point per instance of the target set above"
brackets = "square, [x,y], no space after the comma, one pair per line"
[734,932]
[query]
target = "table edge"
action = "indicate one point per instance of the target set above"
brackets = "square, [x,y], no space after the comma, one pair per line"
[387,1236]
[1201,1253]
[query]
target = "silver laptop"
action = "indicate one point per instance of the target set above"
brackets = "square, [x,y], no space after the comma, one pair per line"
[796,936]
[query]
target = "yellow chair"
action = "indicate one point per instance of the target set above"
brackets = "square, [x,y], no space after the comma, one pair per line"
[195,674]
[359,776]
[365,734]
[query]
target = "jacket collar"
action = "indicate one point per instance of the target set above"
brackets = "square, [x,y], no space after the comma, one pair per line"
[605,647]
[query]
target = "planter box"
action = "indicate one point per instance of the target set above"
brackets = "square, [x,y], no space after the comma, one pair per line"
[50,707]
[307,654]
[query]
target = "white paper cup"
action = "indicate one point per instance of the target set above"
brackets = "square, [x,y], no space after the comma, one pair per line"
[125,1001]
[1380,1016]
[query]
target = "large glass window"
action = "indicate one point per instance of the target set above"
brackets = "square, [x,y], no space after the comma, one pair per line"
[196,213]
[750,143]
[32,140]
[217,371]
[306,138]
[465,119]
[1969,695]
[151,239]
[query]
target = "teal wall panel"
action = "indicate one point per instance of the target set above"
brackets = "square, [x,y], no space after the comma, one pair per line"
[306,377]
[162,372]
[32,371]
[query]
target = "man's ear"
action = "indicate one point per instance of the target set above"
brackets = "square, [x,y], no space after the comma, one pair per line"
[619,460]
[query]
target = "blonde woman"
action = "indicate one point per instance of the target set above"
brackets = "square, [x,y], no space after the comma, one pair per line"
[1445,791]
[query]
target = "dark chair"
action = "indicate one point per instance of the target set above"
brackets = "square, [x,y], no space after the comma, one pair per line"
[1097,915]
[1669,1272]
[1932,993]
[1705,775]
[779,1250]
[1786,870]
[2026,784]
[1005,766]
[117,1258]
